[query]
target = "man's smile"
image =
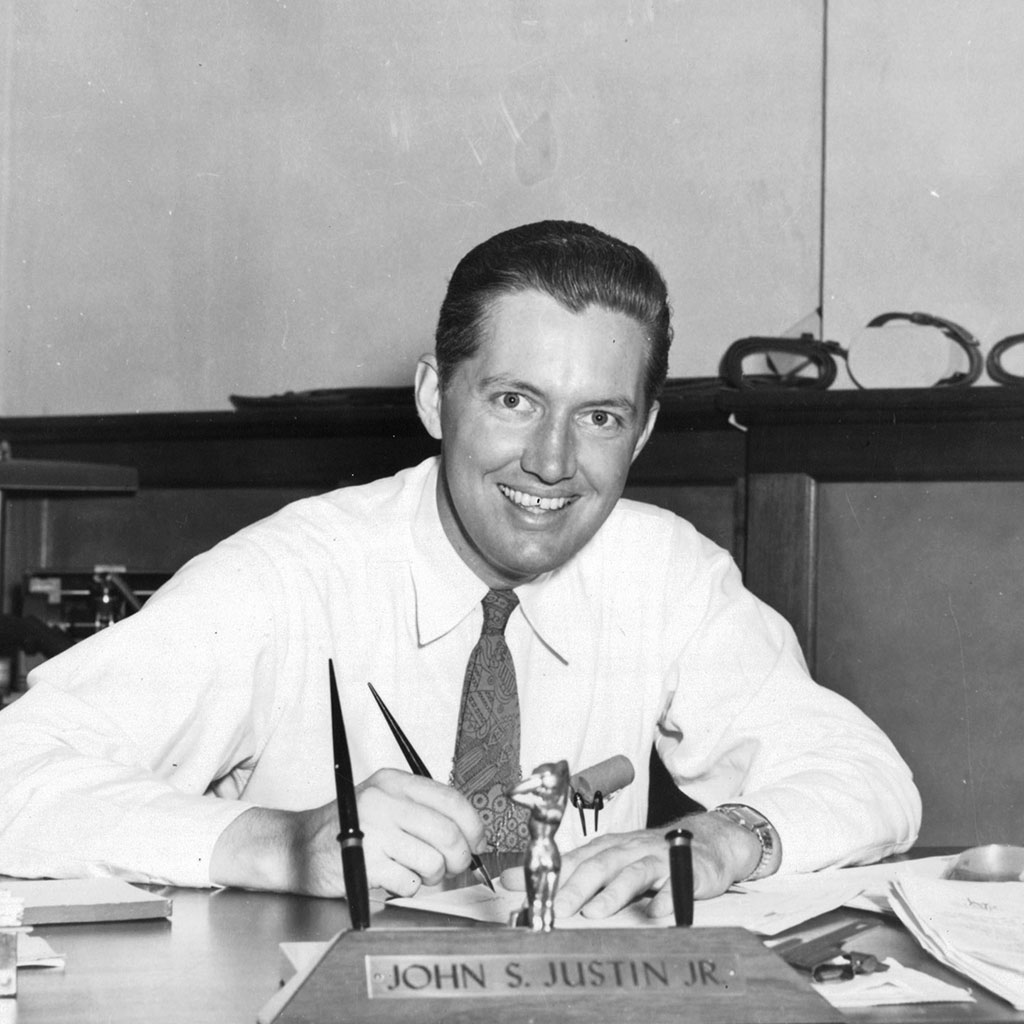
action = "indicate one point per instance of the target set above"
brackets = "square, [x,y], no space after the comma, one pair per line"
[534,502]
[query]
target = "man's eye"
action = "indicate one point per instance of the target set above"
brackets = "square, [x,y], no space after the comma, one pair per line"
[600,418]
[511,400]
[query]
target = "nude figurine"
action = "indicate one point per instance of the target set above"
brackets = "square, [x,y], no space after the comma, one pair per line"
[545,792]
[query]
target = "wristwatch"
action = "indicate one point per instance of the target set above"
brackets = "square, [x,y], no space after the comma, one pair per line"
[763,829]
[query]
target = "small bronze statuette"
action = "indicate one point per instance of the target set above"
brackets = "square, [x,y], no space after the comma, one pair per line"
[545,792]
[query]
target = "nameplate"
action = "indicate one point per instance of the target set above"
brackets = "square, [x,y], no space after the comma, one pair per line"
[515,976]
[575,975]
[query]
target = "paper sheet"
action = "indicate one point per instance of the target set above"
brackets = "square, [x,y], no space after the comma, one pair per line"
[874,879]
[764,909]
[35,951]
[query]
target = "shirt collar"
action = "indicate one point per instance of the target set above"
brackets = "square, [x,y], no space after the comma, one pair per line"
[447,590]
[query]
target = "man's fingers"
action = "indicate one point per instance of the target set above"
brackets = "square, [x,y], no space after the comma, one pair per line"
[410,851]
[631,882]
[447,802]
[514,879]
[607,879]
[594,848]
[661,905]
[406,819]
[386,873]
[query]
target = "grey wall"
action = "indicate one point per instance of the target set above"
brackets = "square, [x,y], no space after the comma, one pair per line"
[925,167]
[202,198]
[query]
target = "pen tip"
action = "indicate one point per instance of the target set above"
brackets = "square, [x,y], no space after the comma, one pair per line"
[478,866]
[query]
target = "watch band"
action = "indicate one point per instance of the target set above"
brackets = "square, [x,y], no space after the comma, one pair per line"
[755,822]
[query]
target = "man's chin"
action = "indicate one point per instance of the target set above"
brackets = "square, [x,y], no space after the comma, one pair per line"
[523,569]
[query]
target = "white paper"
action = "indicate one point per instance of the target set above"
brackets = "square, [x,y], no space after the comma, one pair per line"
[764,909]
[35,951]
[874,879]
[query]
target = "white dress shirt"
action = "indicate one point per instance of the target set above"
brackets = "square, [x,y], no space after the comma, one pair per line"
[135,749]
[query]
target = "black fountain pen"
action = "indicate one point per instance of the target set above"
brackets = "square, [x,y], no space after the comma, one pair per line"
[417,767]
[353,864]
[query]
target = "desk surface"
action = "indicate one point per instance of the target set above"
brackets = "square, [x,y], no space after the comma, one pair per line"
[217,960]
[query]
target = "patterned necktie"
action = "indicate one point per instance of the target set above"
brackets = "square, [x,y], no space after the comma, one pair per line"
[487,747]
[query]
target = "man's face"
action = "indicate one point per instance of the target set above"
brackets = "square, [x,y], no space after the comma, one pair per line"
[538,430]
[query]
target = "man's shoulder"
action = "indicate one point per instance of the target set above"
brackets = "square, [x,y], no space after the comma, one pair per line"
[402,492]
[659,524]
[642,533]
[360,519]
[376,502]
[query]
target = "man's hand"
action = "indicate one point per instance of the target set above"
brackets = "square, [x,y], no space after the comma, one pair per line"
[415,831]
[611,871]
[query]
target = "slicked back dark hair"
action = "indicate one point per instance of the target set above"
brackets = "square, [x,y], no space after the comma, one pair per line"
[576,265]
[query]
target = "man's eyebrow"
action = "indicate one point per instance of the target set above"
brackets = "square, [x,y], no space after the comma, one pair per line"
[502,380]
[621,403]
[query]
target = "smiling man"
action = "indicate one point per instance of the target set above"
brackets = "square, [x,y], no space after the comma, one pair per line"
[510,608]
[539,428]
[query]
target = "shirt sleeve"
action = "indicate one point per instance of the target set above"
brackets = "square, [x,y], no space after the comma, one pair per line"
[112,762]
[745,722]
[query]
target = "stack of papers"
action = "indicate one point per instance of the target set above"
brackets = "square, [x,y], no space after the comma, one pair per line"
[976,928]
[78,900]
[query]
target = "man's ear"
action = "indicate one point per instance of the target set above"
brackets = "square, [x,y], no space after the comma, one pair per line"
[652,416]
[427,388]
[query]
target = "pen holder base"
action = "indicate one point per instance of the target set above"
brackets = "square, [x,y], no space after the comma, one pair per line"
[602,976]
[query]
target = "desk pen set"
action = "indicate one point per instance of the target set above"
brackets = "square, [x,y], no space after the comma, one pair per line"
[531,970]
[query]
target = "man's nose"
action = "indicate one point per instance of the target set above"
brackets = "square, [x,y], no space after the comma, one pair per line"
[550,454]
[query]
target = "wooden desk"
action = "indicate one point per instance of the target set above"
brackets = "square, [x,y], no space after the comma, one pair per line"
[217,960]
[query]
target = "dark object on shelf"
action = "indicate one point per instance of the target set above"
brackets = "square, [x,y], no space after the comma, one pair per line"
[788,360]
[348,398]
[688,386]
[809,353]
[994,362]
[954,332]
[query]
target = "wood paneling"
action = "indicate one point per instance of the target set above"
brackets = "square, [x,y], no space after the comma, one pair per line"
[912,600]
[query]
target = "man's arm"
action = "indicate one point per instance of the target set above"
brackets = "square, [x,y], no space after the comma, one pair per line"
[744,723]
[415,831]
[111,759]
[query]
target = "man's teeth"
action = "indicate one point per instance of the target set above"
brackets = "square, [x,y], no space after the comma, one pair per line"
[533,500]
